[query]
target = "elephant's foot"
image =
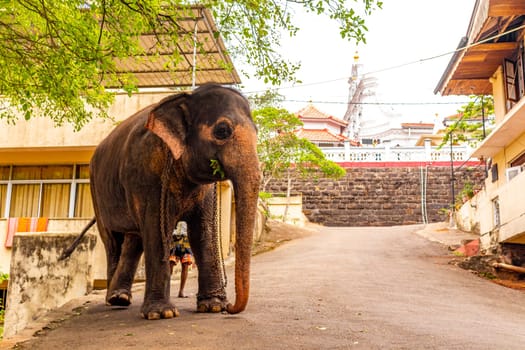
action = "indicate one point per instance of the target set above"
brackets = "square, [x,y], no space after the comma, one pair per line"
[158,310]
[213,305]
[119,297]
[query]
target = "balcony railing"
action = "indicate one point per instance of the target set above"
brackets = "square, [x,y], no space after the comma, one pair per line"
[385,153]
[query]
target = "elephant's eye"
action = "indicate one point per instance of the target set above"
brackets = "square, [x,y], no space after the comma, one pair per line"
[222,131]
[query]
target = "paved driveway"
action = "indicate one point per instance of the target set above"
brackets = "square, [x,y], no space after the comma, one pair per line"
[340,288]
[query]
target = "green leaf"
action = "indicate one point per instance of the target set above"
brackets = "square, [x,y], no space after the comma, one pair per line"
[57,57]
[280,150]
[217,169]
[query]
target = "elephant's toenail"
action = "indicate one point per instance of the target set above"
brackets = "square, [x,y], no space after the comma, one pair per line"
[153,316]
[216,308]
[168,314]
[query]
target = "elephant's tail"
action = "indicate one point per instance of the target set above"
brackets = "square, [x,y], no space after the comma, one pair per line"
[73,246]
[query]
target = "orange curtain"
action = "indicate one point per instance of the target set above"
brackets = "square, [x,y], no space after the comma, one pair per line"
[3,199]
[24,200]
[84,205]
[15,225]
[55,200]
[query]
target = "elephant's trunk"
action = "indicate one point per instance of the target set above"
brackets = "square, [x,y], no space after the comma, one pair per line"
[246,190]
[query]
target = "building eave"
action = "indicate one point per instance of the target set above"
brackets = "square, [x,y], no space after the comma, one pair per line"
[481,51]
[504,133]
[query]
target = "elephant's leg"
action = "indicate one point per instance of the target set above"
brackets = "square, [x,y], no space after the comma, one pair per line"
[113,245]
[119,290]
[157,295]
[211,296]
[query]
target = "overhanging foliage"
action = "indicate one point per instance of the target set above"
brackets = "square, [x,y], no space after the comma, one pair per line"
[58,56]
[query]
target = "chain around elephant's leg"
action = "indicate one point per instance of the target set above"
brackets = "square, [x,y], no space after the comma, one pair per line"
[214,302]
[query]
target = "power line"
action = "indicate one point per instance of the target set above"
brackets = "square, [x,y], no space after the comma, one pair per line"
[450,52]
[380,103]
[402,64]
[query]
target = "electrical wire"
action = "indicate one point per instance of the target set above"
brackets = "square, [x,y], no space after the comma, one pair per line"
[464,48]
[402,64]
[379,103]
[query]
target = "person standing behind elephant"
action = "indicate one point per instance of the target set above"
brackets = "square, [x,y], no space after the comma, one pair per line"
[181,251]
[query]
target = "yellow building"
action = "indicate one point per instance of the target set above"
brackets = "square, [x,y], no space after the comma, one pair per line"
[490,60]
[44,168]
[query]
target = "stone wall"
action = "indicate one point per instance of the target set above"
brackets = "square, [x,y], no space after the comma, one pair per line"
[39,282]
[380,196]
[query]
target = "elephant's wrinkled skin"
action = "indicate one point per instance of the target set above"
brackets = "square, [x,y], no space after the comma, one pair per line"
[176,140]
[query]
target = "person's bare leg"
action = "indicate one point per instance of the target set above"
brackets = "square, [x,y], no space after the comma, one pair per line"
[183,277]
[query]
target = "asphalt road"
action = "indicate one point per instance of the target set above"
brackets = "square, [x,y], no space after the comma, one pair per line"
[340,288]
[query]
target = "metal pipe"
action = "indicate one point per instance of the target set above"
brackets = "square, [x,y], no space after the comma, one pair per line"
[483,117]
[484,131]
[194,68]
[452,179]
[514,268]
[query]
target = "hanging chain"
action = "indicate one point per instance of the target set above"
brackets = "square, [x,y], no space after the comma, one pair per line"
[217,209]
[217,227]
[164,208]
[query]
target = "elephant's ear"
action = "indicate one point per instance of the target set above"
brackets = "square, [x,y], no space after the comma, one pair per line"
[168,120]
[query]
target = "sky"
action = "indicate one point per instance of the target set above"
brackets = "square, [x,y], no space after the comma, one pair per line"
[404,31]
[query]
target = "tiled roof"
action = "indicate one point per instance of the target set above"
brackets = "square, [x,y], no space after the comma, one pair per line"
[417,125]
[322,135]
[310,112]
[153,68]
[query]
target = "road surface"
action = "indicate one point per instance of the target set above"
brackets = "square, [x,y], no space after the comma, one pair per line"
[339,288]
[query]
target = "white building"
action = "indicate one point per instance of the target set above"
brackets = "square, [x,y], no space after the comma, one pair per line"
[370,121]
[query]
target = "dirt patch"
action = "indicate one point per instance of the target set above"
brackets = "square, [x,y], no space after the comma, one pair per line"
[277,233]
[482,265]
[519,285]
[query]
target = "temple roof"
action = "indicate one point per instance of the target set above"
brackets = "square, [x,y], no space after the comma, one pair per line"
[417,125]
[322,135]
[311,113]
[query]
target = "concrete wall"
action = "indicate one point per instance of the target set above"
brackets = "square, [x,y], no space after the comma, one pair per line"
[38,282]
[379,196]
[498,91]
[63,226]
[30,133]
[277,207]
[38,141]
[468,218]
[511,208]
[503,160]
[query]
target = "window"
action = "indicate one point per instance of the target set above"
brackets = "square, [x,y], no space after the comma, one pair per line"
[55,191]
[372,142]
[509,71]
[520,75]
[512,172]
[4,176]
[494,172]
[496,213]
[519,160]
[517,165]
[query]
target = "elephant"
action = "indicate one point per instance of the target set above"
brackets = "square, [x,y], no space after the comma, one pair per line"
[159,167]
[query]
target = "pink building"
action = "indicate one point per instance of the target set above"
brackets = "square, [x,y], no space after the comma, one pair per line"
[322,129]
